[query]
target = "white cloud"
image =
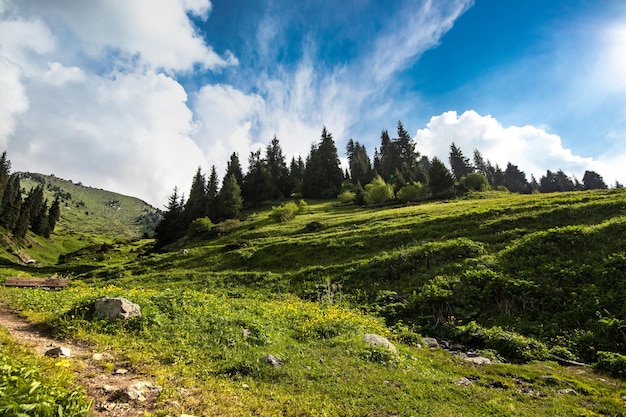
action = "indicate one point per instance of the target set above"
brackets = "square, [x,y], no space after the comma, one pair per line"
[110,133]
[13,99]
[159,32]
[531,148]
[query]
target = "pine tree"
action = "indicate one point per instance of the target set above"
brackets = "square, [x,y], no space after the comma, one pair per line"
[390,158]
[54,214]
[359,163]
[212,208]
[40,224]
[406,148]
[196,204]
[460,165]
[278,172]
[5,173]
[256,183]
[323,175]
[230,198]
[296,174]
[170,227]
[441,179]
[11,203]
[233,167]
[21,226]
[515,180]
[593,181]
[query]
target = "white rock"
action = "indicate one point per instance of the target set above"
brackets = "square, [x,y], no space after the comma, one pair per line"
[377,340]
[59,352]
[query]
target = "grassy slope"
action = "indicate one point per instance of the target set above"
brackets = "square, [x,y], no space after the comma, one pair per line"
[88,216]
[489,259]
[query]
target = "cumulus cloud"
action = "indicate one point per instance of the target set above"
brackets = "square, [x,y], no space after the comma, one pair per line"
[531,148]
[13,99]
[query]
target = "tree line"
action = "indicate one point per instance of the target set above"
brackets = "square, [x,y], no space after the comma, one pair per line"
[396,171]
[20,214]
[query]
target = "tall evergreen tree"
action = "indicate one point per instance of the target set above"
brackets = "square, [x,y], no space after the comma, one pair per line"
[441,180]
[296,174]
[359,163]
[171,226]
[196,204]
[11,203]
[482,166]
[212,208]
[323,175]
[406,148]
[257,182]
[54,214]
[5,173]
[390,158]
[23,221]
[230,198]
[593,181]
[515,180]
[460,165]
[40,224]
[233,167]
[277,168]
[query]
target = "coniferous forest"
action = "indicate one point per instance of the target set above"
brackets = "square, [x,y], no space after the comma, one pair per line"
[397,172]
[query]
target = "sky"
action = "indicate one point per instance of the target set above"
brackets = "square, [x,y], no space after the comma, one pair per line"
[134,96]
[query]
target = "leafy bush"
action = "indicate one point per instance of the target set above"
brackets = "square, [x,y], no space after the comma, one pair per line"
[314,226]
[225,227]
[303,207]
[475,182]
[200,228]
[346,197]
[411,192]
[612,363]
[284,212]
[378,191]
[23,392]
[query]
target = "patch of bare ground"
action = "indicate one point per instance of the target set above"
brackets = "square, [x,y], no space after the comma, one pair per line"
[113,390]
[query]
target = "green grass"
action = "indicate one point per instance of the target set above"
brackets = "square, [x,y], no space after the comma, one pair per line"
[529,272]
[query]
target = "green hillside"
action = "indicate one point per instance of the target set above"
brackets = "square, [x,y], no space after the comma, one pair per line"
[520,279]
[88,216]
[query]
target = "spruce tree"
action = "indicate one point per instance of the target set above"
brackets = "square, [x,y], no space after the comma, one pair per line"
[196,204]
[40,224]
[5,173]
[277,169]
[54,214]
[323,175]
[515,180]
[441,179]
[11,203]
[359,163]
[256,186]
[233,167]
[296,174]
[212,208]
[460,165]
[170,227]
[593,181]
[230,198]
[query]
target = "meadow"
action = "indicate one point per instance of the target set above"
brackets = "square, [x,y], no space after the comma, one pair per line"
[517,277]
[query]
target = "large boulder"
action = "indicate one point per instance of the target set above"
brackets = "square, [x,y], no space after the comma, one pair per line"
[113,308]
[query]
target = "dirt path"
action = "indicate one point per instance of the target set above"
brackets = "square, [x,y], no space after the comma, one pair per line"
[114,391]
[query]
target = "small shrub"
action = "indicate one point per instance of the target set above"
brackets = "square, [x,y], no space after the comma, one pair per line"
[475,182]
[612,363]
[225,227]
[303,207]
[314,226]
[346,197]
[411,192]
[379,355]
[378,191]
[284,212]
[200,228]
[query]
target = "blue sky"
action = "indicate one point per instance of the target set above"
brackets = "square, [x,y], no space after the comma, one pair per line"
[134,96]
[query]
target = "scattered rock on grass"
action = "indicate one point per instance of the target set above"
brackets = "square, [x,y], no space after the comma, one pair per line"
[59,352]
[275,361]
[379,341]
[113,308]
[431,342]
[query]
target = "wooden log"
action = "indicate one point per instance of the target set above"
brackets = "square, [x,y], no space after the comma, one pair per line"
[36,282]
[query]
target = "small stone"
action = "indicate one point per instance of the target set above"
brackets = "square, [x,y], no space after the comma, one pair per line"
[120,371]
[113,308]
[186,415]
[59,352]
[431,342]
[478,360]
[245,386]
[275,361]
[464,382]
[107,388]
[102,357]
[567,391]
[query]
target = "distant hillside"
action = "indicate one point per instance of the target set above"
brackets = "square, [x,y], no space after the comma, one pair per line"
[91,210]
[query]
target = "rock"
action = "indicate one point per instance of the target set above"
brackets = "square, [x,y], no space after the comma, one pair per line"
[59,352]
[102,357]
[478,360]
[120,371]
[377,340]
[136,392]
[431,342]
[464,381]
[275,361]
[567,391]
[112,308]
